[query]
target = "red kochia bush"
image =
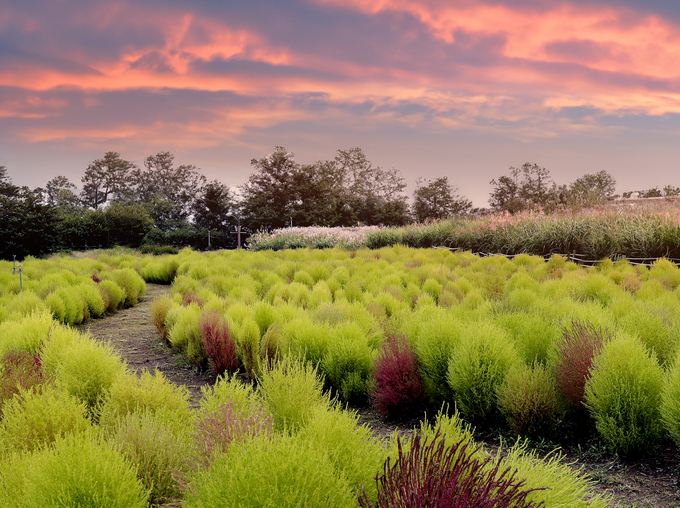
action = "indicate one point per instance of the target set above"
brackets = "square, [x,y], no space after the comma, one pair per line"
[397,390]
[229,422]
[434,475]
[18,369]
[218,343]
[575,352]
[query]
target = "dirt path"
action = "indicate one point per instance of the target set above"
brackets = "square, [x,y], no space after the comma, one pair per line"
[650,482]
[134,337]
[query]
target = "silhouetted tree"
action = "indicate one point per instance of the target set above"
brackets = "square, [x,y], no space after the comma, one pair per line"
[58,192]
[214,207]
[106,178]
[437,199]
[529,187]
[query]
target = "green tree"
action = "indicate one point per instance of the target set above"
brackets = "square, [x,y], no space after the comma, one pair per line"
[373,195]
[127,224]
[106,178]
[27,225]
[589,190]
[163,181]
[269,197]
[437,199]
[214,207]
[528,187]
[59,192]
[6,186]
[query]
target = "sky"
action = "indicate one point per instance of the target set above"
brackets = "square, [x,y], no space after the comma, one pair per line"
[456,88]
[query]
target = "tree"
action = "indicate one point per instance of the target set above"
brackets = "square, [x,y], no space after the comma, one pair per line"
[106,178]
[590,190]
[529,187]
[162,183]
[59,192]
[437,199]
[214,207]
[269,195]
[128,224]
[374,195]
[6,186]
[27,225]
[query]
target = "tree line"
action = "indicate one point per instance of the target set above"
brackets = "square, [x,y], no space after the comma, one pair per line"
[161,203]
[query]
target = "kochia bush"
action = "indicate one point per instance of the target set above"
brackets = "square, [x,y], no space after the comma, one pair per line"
[478,368]
[623,395]
[397,389]
[218,343]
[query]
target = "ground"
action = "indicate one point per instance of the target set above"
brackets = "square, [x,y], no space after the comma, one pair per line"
[648,482]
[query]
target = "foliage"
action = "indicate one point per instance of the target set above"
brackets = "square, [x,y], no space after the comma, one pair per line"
[574,354]
[670,401]
[296,474]
[436,200]
[218,343]
[19,370]
[78,470]
[290,391]
[529,399]
[477,369]
[397,390]
[436,473]
[231,421]
[623,395]
[37,417]
[157,452]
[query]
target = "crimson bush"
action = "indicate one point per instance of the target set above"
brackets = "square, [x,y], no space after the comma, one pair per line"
[574,357]
[433,474]
[397,390]
[218,343]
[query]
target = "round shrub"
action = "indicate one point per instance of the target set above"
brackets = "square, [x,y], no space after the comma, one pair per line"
[80,471]
[670,402]
[296,474]
[112,294]
[623,395]
[528,397]
[397,389]
[39,416]
[477,368]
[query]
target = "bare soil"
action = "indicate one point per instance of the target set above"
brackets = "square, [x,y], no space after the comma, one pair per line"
[652,481]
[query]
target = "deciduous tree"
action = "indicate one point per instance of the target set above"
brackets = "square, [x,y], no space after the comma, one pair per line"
[528,187]
[437,199]
[106,178]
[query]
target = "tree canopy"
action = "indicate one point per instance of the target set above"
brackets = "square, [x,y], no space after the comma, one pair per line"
[437,199]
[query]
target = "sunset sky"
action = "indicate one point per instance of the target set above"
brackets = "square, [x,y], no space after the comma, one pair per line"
[460,88]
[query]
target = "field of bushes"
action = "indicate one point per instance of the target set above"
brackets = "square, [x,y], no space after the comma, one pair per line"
[531,346]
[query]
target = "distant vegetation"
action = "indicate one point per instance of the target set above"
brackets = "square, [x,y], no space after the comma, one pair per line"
[162,203]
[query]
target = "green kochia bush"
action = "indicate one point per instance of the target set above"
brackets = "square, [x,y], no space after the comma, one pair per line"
[623,395]
[78,470]
[288,472]
[477,368]
[39,416]
[348,362]
[670,402]
[529,399]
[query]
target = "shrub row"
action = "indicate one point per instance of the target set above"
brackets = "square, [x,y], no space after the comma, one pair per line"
[524,343]
[78,429]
